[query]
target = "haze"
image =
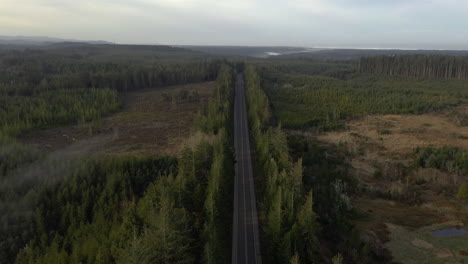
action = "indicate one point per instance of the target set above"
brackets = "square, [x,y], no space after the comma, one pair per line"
[406,24]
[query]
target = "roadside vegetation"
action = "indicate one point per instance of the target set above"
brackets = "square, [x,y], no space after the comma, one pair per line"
[304,207]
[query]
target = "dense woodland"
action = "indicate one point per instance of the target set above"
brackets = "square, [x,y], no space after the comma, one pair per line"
[323,95]
[293,175]
[40,88]
[356,54]
[114,209]
[419,66]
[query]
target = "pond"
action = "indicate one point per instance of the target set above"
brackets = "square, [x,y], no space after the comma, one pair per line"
[449,232]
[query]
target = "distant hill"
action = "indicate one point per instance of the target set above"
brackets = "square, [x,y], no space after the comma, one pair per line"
[249,51]
[40,41]
[107,52]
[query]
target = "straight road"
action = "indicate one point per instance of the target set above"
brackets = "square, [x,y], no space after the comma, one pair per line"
[245,242]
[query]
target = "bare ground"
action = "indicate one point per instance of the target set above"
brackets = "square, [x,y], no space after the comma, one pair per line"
[147,124]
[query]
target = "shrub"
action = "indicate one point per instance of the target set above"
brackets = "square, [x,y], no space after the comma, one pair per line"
[378,174]
[463,192]
[385,132]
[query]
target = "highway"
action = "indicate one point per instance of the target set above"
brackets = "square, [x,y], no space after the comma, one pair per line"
[245,239]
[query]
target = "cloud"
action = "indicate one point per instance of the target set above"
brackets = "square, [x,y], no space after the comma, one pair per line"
[243,22]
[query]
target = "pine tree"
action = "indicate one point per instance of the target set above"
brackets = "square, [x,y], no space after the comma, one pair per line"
[307,227]
[338,259]
[295,259]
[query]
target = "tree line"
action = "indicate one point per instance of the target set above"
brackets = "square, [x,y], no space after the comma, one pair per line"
[419,66]
[64,106]
[290,226]
[50,72]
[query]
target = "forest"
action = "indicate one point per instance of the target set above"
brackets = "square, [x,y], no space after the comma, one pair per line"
[323,95]
[111,209]
[178,208]
[419,66]
[41,88]
[382,146]
[303,194]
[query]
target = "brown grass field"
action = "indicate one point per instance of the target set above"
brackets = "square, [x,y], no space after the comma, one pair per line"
[147,124]
[397,224]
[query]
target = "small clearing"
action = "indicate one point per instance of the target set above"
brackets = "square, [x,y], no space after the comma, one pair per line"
[151,122]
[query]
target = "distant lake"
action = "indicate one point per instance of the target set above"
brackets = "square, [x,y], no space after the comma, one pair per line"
[449,232]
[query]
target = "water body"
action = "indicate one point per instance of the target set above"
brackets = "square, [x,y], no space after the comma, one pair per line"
[449,232]
[284,51]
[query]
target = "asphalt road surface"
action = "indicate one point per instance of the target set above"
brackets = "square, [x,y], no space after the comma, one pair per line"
[245,241]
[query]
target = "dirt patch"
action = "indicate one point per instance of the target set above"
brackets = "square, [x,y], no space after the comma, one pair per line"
[402,133]
[422,244]
[382,153]
[443,253]
[149,123]
[387,211]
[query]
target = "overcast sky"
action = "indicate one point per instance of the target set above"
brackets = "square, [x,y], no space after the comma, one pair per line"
[437,24]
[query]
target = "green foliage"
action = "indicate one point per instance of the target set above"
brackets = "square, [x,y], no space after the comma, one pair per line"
[447,158]
[307,227]
[296,219]
[181,95]
[275,71]
[338,259]
[385,132]
[100,67]
[195,206]
[326,174]
[378,174]
[112,210]
[217,112]
[311,99]
[294,259]
[165,233]
[76,219]
[463,192]
[290,222]
[420,66]
[22,113]
[50,87]
[14,155]
[218,203]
